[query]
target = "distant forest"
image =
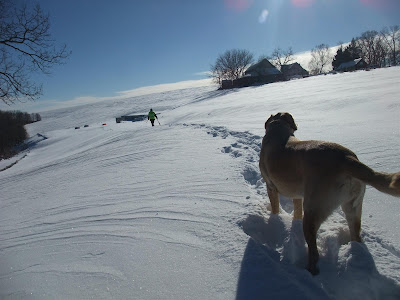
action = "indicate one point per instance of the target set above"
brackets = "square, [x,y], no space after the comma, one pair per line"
[12,130]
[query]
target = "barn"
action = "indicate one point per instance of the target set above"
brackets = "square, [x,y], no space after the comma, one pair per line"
[260,73]
[294,70]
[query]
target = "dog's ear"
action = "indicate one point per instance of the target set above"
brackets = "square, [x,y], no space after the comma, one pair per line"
[289,119]
[269,120]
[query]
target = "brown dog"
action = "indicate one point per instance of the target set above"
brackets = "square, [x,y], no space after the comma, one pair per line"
[324,175]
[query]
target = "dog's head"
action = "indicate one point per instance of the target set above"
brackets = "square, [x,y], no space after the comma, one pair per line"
[281,119]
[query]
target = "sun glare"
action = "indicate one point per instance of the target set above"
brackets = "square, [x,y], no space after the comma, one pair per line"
[302,3]
[238,5]
[263,17]
[379,3]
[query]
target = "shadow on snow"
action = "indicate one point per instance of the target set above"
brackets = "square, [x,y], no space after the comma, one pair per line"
[273,266]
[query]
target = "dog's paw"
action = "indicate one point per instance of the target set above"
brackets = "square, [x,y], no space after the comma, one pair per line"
[313,270]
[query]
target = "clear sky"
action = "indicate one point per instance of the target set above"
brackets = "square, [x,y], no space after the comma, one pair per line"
[120,45]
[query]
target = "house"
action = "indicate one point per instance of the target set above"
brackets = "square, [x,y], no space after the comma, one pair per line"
[352,65]
[259,73]
[262,69]
[294,70]
[263,72]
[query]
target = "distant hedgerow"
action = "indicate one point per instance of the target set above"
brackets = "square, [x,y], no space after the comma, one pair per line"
[12,130]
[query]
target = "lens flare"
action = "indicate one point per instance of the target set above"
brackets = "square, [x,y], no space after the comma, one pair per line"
[263,17]
[238,5]
[380,3]
[303,3]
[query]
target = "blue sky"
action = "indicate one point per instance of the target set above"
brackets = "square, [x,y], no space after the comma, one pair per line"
[121,45]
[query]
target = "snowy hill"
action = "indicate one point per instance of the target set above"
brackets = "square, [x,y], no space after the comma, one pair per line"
[179,211]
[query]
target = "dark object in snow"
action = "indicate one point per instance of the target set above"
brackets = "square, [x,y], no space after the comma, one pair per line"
[77,127]
[86,126]
[132,118]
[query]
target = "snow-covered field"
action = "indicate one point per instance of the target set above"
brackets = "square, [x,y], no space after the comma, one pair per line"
[179,211]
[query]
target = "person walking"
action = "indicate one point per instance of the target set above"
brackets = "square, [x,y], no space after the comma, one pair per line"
[152,116]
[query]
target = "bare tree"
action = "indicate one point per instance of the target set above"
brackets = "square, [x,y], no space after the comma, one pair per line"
[231,65]
[321,57]
[281,57]
[26,47]
[373,48]
[367,45]
[391,36]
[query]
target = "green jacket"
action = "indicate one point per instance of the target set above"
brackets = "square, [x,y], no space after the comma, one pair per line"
[152,115]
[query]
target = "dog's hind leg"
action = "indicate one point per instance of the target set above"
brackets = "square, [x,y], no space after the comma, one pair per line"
[310,228]
[318,205]
[273,198]
[353,210]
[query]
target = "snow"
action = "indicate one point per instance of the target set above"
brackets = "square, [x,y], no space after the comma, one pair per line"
[179,211]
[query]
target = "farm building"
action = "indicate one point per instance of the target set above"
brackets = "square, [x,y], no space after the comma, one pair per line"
[262,69]
[259,73]
[294,70]
[352,65]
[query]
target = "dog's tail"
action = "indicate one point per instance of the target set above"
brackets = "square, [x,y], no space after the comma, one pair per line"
[388,183]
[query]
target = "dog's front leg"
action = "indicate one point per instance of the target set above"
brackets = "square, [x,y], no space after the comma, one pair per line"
[273,198]
[298,209]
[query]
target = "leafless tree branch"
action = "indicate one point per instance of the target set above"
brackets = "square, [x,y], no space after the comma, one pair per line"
[26,47]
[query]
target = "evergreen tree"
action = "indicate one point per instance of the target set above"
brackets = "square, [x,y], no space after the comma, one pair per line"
[351,52]
[338,59]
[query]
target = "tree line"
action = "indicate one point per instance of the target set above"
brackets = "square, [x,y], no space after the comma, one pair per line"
[378,49]
[12,130]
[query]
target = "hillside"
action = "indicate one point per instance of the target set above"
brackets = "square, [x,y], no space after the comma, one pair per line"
[179,211]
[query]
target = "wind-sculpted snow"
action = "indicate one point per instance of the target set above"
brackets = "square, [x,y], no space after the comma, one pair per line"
[180,211]
[105,206]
